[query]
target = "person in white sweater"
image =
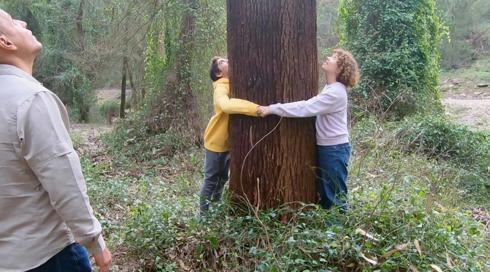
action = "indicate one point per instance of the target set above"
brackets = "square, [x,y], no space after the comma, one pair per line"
[332,135]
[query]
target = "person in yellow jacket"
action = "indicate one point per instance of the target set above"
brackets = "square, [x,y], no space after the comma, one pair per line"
[217,157]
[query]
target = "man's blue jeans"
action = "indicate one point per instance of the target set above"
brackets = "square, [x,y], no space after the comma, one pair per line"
[332,162]
[73,258]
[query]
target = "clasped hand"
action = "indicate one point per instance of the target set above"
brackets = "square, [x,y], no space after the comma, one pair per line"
[263,111]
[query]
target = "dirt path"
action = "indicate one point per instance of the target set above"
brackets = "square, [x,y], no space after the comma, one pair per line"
[87,140]
[111,94]
[472,112]
[467,103]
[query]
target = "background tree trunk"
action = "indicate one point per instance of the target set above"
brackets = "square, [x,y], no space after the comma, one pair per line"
[122,113]
[80,30]
[185,95]
[273,58]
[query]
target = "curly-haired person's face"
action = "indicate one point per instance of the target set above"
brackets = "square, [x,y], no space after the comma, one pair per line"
[330,65]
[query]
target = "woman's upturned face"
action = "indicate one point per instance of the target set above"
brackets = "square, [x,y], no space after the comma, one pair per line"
[330,65]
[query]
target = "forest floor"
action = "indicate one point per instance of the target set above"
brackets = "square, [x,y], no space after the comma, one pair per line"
[468,105]
[464,101]
[111,94]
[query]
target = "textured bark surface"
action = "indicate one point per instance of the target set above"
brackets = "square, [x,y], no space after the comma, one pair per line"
[273,58]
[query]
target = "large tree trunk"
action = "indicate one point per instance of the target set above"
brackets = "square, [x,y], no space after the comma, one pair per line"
[273,58]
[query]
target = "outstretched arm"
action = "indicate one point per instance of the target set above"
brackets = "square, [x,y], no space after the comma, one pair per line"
[232,105]
[325,102]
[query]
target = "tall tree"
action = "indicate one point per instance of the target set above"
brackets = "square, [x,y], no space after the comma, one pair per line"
[273,58]
[185,96]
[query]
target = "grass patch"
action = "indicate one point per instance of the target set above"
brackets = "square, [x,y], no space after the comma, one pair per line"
[467,78]
[465,151]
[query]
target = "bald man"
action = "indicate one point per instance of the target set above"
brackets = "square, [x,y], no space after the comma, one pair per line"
[46,221]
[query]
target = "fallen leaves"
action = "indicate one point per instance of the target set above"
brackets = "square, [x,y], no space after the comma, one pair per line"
[367,235]
[397,248]
[419,248]
[436,268]
[371,261]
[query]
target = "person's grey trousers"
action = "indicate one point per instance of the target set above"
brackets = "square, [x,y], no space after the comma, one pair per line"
[216,167]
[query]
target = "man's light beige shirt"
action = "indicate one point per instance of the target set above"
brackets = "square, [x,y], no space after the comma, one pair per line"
[43,197]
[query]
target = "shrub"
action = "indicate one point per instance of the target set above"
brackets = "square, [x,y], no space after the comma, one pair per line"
[131,139]
[396,44]
[442,139]
[468,22]
[108,109]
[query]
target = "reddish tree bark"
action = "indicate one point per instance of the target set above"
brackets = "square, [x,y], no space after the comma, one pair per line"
[273,58]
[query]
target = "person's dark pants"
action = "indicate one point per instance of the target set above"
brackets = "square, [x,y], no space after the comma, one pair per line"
[332,175]
[73,258]
[216,168]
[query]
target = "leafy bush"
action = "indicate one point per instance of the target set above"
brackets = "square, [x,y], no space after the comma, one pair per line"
[440,138]
[397,46]
[109,108]
[465,150]
[468,22]
[132,140]
[456,54]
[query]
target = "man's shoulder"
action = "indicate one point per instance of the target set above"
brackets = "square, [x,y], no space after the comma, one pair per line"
[13,83]
[18,89]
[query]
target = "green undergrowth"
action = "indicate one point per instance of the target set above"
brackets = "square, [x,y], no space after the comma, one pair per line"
[132,141]
[466,151]
[407,212]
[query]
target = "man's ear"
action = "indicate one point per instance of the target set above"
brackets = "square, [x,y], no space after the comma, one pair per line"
[219,74]
[6,43]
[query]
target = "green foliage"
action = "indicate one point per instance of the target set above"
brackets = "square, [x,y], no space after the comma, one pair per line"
[230,241]
[108,108]
[326,18]
[154,129]
[439,138]
[391,200]
[150,211]
[108,194]
[132,140]
[468,22]
[57,67]
[396,44]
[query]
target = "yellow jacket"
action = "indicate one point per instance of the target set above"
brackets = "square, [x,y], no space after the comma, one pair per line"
[216,134]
